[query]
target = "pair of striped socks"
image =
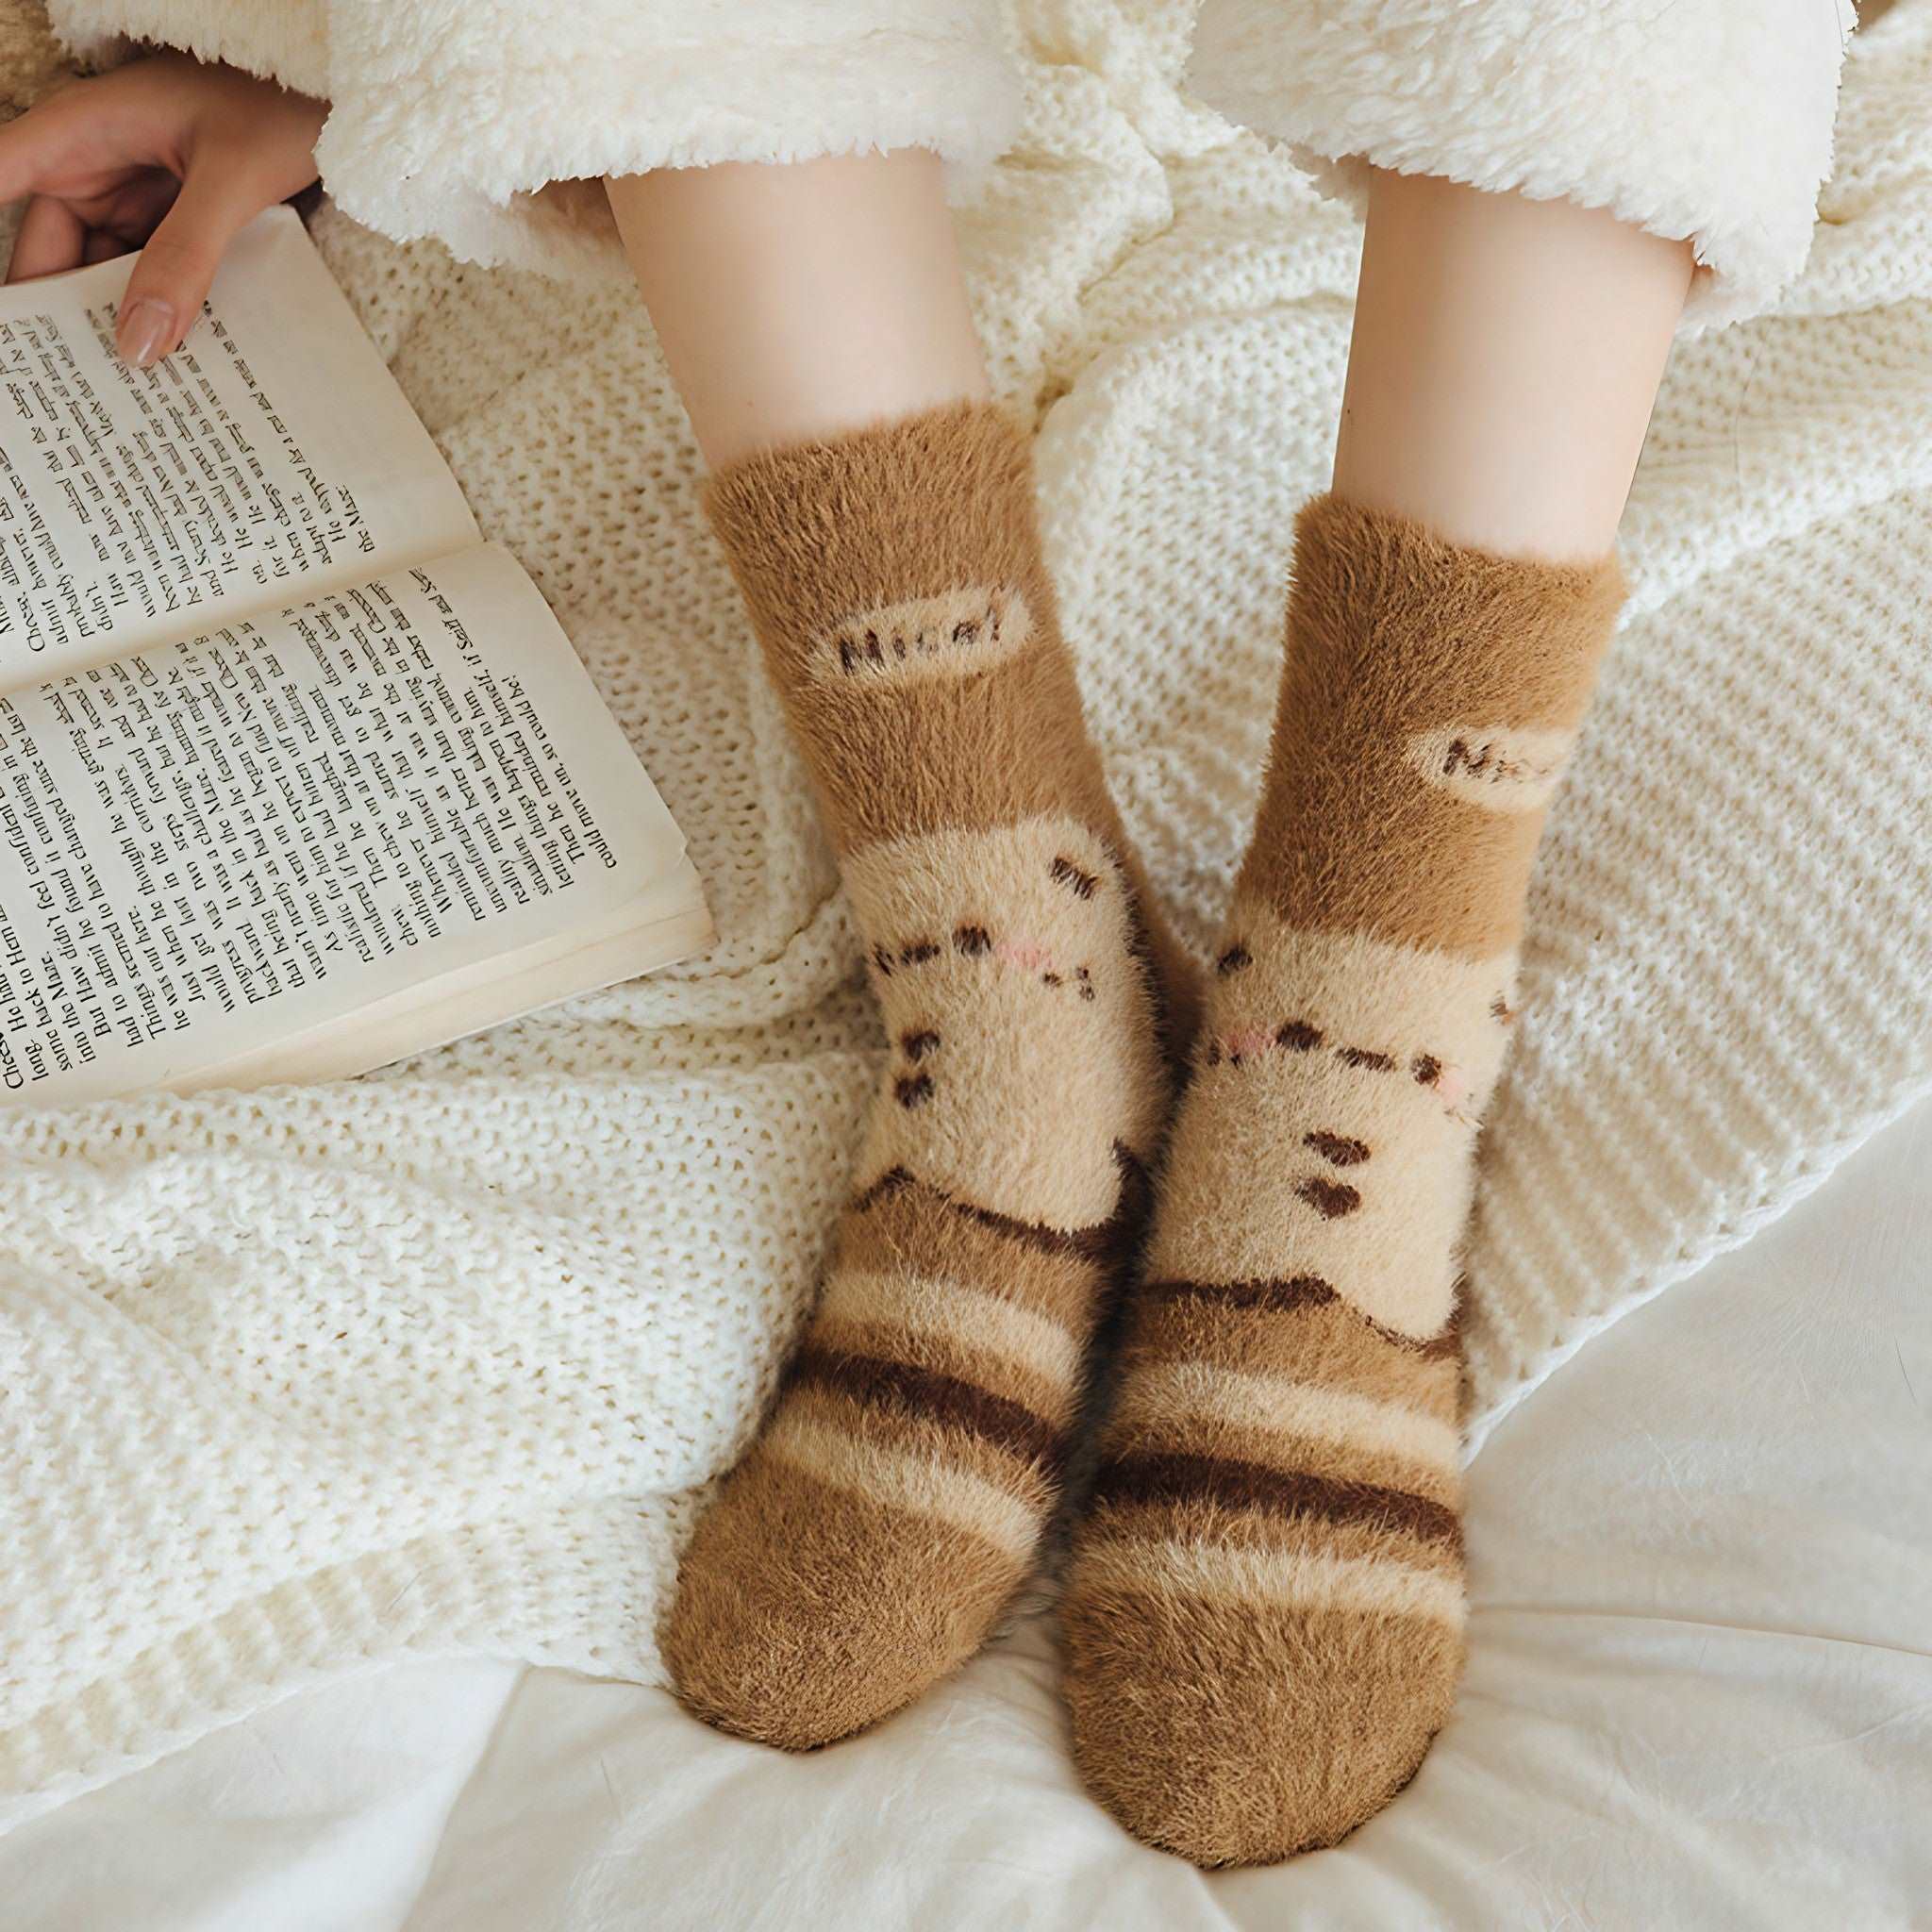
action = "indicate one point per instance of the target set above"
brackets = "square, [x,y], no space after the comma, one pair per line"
[1263,1605]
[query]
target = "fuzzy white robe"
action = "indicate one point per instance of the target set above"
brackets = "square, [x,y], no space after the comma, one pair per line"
[1709,120]
[1706,119]
[453,118]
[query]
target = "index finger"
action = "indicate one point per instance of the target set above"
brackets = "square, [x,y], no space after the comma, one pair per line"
[34,143]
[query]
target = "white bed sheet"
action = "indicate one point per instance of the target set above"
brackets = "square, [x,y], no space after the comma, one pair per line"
[1700,1694]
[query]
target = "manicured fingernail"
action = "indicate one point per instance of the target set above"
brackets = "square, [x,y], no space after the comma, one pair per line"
[144,327]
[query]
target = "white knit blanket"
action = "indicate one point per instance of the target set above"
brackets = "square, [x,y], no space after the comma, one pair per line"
[296,1382]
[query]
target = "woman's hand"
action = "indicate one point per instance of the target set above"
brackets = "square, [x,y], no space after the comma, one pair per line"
[166,154]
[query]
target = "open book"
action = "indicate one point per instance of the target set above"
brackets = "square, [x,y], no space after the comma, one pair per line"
[297,775]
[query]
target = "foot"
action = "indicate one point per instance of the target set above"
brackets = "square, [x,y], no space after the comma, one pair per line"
[897,1497]
[1263,1620]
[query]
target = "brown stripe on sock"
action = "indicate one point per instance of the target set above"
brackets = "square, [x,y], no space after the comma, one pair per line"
[813,1448]
[1318,1339]
[1140,1425]
[1352,1463]
[1095,1244]
[1279,1580]
[1208,1397]
[908,1226]
[942,1399]
[1172,1479]
[1286,1297]
[1208,1521]
[895,1428]
[887,1184]
[1092,1244]
[1106,1243]
[953,1354]
[1283,1297]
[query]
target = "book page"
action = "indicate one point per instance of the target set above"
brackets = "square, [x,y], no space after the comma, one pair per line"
[272,455]
[670,922]
[251,835]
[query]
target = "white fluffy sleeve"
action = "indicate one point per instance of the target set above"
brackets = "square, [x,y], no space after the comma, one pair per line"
[468,119]
[1706,120]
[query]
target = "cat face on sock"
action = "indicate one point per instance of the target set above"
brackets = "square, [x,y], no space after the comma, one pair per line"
[1362,1068]
[1018,1016]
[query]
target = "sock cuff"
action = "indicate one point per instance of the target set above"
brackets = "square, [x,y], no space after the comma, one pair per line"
[1430,699]
[987,437]
[1409,546]
[886,518]
[1385,596]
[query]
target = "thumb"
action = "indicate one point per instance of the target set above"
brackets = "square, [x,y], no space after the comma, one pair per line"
[172,271]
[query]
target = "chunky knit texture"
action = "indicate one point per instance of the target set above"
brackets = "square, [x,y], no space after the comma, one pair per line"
[441,1360]
[1264,1614]
[897,1497]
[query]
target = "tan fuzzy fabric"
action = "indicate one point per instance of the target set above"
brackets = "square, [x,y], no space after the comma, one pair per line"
[1425,706]
[1263,1618]
[898,1494]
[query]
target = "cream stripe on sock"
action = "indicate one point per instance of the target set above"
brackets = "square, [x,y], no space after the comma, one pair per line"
[1203,1393]
[954,1313]
[906,1482]
[1298,1579]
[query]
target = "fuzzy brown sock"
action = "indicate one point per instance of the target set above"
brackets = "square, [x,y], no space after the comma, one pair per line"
[1263,1620]
[898,1493]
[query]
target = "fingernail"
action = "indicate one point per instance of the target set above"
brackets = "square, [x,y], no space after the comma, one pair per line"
[143,328]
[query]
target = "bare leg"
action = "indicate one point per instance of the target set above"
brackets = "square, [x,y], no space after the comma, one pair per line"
[879,513]
[1264,1617]
[1505,356]
[796,302]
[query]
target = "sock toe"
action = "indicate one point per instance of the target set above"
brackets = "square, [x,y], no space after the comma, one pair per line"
[804,1613]
[1232,1737]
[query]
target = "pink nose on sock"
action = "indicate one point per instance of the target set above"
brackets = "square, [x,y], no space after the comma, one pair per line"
[1245,1044]
[1452,1087]
[1025,952]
